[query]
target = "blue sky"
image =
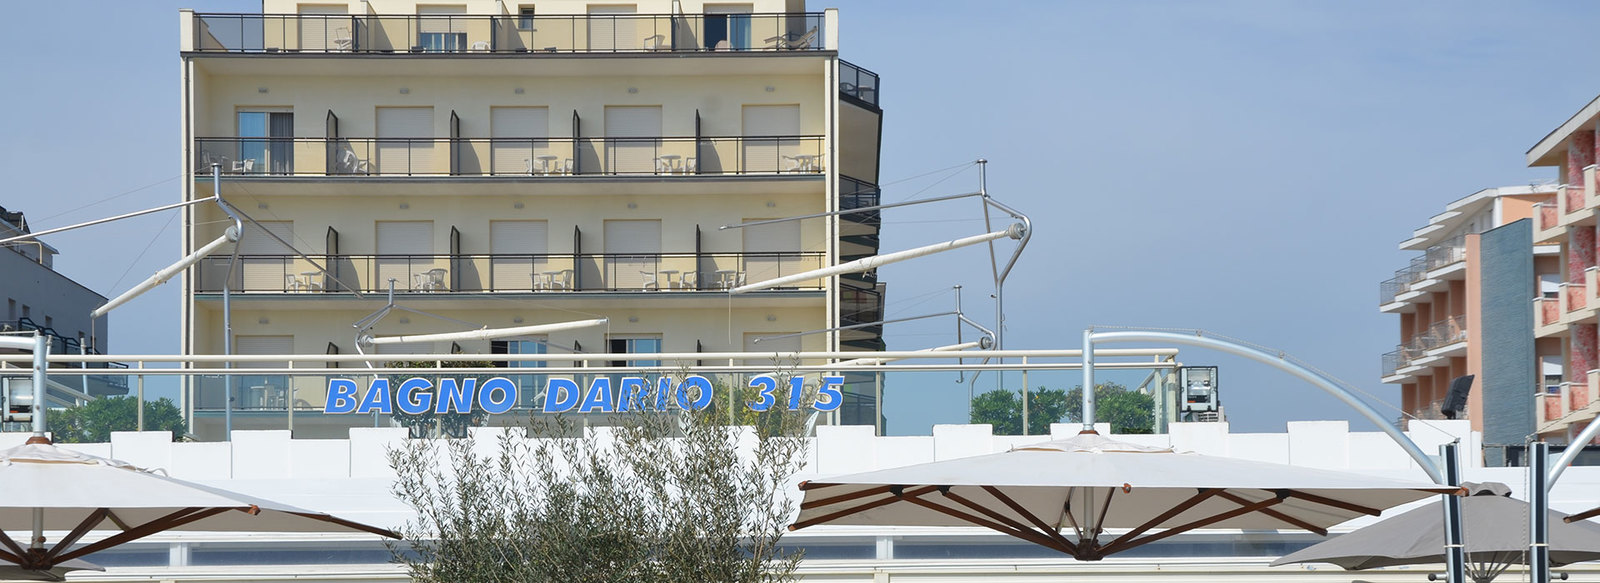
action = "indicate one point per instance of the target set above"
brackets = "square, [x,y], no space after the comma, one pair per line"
[1243,167]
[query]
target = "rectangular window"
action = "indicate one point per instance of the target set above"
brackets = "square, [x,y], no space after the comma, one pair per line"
[266,144]
[634,345]
[532,385]
[525,18]
[441,29]
[727,26]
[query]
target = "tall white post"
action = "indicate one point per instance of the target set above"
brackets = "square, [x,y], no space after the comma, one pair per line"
[1088,381]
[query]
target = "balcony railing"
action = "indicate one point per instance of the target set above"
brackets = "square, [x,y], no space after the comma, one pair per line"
[610,33]
[1438,335]
[1574,198]
[1546,215]
[1549,310]
[1577,295]
[858,83]
[665,272]
[1444,254]
[665,156]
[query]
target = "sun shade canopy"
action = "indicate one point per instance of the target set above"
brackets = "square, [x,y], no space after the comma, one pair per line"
[1089,484]
[81,493]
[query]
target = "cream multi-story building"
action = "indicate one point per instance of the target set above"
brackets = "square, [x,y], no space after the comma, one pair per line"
[502,164]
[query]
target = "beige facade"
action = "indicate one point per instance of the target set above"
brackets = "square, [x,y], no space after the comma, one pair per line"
[510,164]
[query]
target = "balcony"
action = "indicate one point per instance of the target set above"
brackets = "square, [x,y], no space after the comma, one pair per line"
[1433,346]
[1547,223]
[1439,263]
[1558,402]
[512,157]
[530,35]
[858,85]
[551,273]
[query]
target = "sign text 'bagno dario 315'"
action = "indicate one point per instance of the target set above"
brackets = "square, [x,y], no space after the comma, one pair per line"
[419,395]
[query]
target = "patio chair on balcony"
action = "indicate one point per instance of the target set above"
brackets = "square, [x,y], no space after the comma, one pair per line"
[789,42]
[655,42]
[244,166]
[352,164]
[342,40]
[649,281]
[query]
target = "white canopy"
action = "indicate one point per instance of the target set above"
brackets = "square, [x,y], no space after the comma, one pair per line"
[1089,483]
[82,493]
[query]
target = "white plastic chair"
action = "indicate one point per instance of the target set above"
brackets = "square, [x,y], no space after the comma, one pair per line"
[650,282]
[342,39]
[244,166]
[481,46]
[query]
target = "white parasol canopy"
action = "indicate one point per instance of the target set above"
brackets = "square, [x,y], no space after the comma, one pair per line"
[44,487]
[1088,484]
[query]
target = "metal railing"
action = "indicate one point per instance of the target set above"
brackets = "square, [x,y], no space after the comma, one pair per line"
[546,273]
[530,34]
[1444,254]
[858,83]
[1437,335]
[663,156]
[59,344]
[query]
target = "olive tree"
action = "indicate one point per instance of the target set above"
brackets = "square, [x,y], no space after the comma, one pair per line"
[667,496]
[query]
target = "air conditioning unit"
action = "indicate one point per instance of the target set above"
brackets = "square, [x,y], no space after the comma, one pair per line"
[16,399]
[1199,386]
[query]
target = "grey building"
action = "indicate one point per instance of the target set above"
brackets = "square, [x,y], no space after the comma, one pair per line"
[37,297]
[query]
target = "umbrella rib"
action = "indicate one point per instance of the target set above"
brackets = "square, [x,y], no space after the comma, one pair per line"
[1050,531]
[1066,512]
[89,522]
[861,508]
[884,489]
[1060,542]
[1325,501]
[1100,525]
[117,520]
[1026,535]
[173,520]
[1585,515]
[1171,512]
[341,522]
[1278,515]
[1117,548]
[11,544]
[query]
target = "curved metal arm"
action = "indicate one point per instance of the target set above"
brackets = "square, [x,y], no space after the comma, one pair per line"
[1574,448]
[1316,380]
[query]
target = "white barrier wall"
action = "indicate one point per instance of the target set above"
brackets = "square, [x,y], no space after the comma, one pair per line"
[351,477]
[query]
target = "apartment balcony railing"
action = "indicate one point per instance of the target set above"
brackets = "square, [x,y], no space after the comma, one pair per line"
[1577,295]
[1549,310]
[1557,401]
[663,272]
[1546,214]
[407,34]
[1438,335]
[1391,363]
[1444,254]
[59,344]
[664,156]
[1574,198]
[858,83]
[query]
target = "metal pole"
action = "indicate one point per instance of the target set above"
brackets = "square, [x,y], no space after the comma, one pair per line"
[1455,557]
[1088,380]
[1539,510]
[877,402]
[1024,397]
[227,316]
[140,425]
[41,361]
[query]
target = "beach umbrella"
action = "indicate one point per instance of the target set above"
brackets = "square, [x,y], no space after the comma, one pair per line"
[1496,537]
[10,571]
[47,488]
[1089,484]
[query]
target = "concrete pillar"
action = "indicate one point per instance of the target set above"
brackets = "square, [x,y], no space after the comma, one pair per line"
[1580,252]
[1580,153]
